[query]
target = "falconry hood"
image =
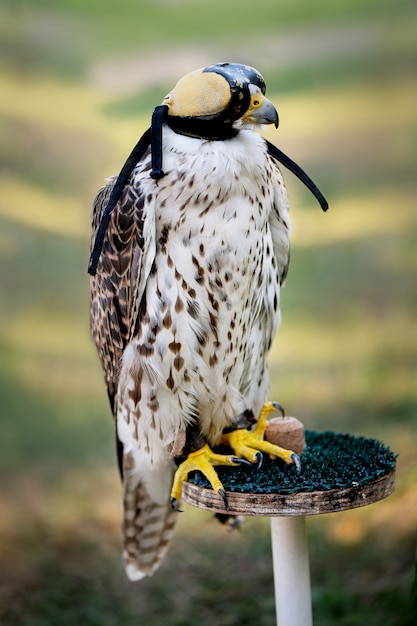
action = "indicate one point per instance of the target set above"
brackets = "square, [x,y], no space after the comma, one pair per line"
[208,102]
[213,103]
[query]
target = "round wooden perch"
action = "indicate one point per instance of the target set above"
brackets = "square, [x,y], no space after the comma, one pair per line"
[338,472]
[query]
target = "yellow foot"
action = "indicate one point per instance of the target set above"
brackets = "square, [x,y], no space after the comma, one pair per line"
[249,444]
[203,460]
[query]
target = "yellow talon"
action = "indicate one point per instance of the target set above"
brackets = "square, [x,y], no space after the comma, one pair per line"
[203,460]
[248,443]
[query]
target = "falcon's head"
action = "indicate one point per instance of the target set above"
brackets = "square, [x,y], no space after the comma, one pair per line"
[216,101]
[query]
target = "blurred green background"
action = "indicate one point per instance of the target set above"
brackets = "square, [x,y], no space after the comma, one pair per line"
[78,82]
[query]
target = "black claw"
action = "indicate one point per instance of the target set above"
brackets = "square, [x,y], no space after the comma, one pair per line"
[236,522]
[222,494]
[279,407]
[233,522]
[260,458]
[296,460]
[236,459]
[174,505]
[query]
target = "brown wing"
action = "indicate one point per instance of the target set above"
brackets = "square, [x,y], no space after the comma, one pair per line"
[117,288]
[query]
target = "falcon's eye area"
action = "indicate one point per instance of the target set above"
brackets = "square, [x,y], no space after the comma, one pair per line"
[256,101]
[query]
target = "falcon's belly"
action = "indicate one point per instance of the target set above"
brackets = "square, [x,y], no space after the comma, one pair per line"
[206,322]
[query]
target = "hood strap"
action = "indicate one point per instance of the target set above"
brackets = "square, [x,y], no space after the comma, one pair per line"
[151,137]
[158,118]
[291,165]
[134,157]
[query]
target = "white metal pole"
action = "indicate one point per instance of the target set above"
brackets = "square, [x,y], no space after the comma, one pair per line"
[291,571]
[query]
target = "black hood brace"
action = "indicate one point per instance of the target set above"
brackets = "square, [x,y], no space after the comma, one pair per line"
[201,128]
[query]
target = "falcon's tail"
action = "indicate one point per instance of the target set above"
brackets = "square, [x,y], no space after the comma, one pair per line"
[148,527]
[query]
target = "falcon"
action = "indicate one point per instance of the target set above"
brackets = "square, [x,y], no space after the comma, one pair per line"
[190,247]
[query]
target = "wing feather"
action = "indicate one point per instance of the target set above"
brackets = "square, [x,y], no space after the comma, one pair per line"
[280,223]
[117,288]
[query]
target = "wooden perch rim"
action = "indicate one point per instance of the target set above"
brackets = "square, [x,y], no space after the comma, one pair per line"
[300,503]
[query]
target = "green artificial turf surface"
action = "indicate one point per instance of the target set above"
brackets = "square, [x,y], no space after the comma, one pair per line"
[330,461]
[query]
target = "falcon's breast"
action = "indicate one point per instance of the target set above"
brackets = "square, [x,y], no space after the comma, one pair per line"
[209,308]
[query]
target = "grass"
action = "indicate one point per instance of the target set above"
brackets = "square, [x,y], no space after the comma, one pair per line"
[344,359]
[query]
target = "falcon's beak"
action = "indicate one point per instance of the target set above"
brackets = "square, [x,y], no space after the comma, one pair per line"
[265,113]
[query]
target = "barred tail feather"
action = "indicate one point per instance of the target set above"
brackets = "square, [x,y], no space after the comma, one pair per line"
[147,530]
